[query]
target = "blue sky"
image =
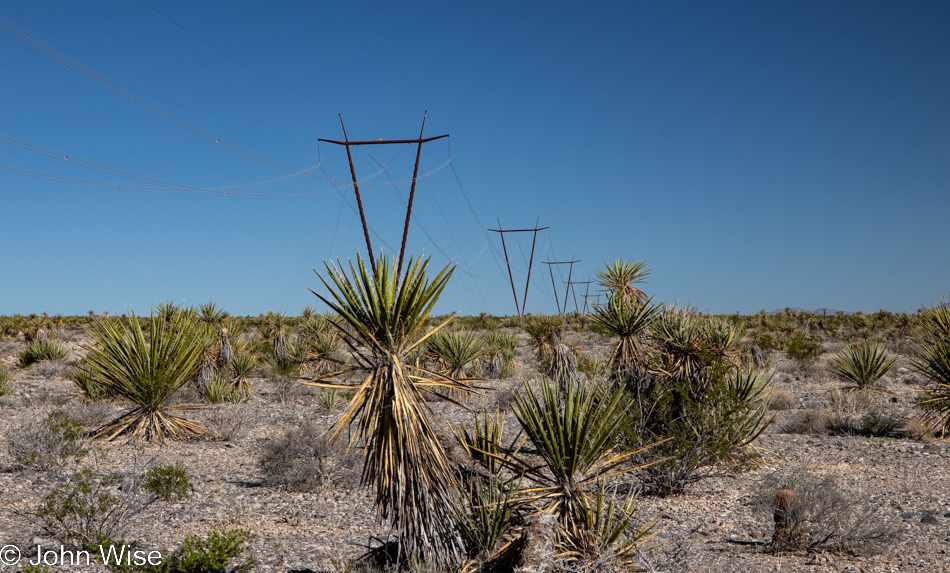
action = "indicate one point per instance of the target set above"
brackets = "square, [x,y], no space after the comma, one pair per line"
[755,154]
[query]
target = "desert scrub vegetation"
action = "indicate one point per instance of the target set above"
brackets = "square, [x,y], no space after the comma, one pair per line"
[93,507]
[218,551]
[50,443]
[565,494]
[812,512]
[305,459]
[6,381]
[40,350]
[147,371]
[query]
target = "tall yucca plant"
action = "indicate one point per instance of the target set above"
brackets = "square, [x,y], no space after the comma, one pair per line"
[629,321]
[148,371]
[619,277]
[415,486]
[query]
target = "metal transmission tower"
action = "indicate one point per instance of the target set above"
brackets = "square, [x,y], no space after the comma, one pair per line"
[412,190]
[502,232]
[569,271]
[570,285]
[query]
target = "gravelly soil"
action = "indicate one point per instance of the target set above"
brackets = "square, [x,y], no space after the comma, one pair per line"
[699,530]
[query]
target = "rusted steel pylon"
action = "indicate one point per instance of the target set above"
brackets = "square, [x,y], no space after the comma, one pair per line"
[569,271]
[500,231]
[412,190]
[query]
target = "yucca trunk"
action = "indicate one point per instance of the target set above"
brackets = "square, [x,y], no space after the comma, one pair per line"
[403,461]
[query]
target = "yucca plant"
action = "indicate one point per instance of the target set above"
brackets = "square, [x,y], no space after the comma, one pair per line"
[603,534]
[931,357]
[540,329]
[629,321]
[241,365]
[483,523]
[6,381]
[575,440]
[329,398]
[404,460]
[209,313]
[277,323]
[457,350]
[148,371]
[678,338]
[89,387]
[863,364]
[221,388]
[619,277]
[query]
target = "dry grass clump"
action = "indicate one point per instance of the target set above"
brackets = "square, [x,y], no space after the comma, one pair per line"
[921,430]
[304,459]
[782,399]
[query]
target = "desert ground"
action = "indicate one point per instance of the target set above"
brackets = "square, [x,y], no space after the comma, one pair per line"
[324,521]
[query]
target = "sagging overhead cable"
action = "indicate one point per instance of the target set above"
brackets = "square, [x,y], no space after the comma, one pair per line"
[129,96]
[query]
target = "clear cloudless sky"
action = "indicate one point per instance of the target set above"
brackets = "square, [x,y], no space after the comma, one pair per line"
[756,155]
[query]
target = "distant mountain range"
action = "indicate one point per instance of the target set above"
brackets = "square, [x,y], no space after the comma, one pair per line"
[796,309]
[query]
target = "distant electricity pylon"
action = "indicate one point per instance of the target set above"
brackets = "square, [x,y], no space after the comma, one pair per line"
[569,271]
[412,190]
[501,231]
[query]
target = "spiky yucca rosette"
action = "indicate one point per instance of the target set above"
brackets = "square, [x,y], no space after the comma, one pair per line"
[148,371]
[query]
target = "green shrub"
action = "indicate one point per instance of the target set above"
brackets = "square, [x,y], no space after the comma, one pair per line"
[802,347]
[91,508]
[214,553]
[708,421]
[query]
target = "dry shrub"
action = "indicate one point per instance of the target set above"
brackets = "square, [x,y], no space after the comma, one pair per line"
[821,515]
[807,421]
[782,399]
[230,422]
[304,459]
[505,396]
[50,369]
[920,430]
[49,443]
[91,414]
